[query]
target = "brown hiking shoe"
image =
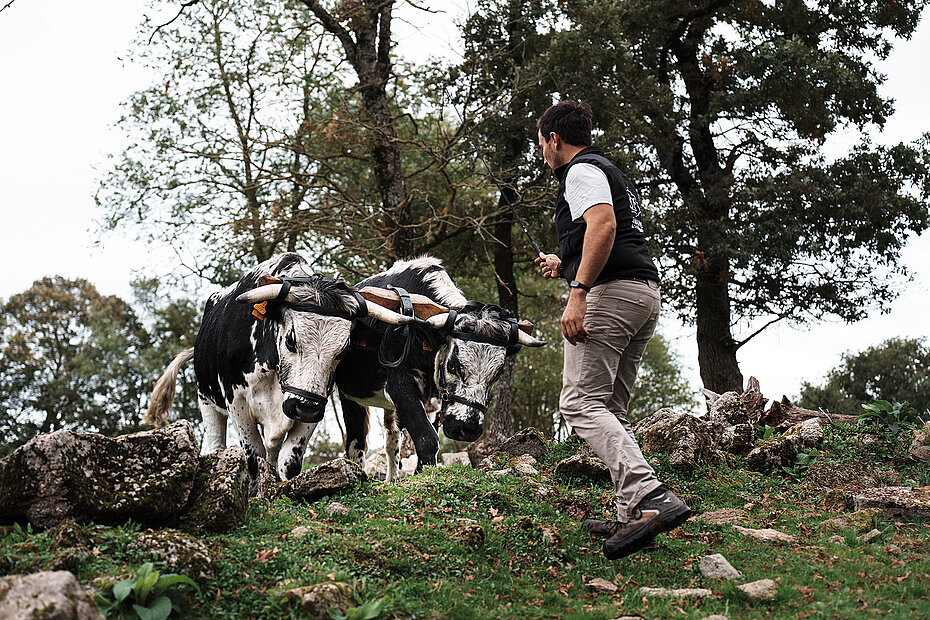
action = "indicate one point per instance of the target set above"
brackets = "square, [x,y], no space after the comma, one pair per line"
[606,529]
[660,511]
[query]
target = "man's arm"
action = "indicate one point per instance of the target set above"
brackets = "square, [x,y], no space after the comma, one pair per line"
[599,239]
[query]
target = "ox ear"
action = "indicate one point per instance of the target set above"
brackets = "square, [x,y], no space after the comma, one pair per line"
[423,307]
[266,278]
[526,326]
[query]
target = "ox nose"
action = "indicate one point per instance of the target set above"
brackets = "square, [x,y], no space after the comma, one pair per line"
[461,431]
[297,409]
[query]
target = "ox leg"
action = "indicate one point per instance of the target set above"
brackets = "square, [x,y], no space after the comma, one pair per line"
[249,437]
[356,421]
[214,424]
[291,458]
[391,445]
[412,416]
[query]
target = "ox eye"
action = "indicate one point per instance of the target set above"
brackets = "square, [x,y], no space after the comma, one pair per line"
[454,366]
[290,342]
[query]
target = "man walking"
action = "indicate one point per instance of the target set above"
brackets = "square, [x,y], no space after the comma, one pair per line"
[612,311]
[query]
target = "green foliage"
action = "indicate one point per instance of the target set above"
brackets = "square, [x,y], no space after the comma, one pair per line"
[802,462]
[72,359]
[148,596]
[893,418]
[895,370]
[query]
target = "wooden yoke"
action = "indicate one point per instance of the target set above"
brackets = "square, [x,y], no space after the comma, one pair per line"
[423,307]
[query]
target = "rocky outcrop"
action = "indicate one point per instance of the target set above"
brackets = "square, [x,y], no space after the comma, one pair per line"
[55,595]
[329,478]
[780,451]
[688,441]
[894,502]
[847,476]
[220,495]
[145,476]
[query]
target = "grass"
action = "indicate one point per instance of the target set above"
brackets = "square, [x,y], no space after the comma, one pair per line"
[397,543]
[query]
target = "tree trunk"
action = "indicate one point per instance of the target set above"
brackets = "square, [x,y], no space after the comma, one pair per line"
[502,424]
[716,347]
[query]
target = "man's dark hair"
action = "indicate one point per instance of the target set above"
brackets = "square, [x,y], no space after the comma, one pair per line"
[570,119]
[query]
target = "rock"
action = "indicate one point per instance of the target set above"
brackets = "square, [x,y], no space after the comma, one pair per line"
[300,531]
[551,537]
[335,508]
[738,439]
[70,534]
[687,440]
[220,495]
[55,595]
[724,516]
[184,553]
[601,585]
[267,481]
[146,477]
[523,465]
[717,567]
[767,535]
[467,532]
[329,478]
[716,617]
[761,590]
[585,467]
[728,409]
[869,536]
[528,441]
[376,466]
[70,559]
[679,593]
[573,507]
[316,600]
[894,502]
[860,521]
[852,475]
[920,444]
[836,539]
[780,450]
[454,458]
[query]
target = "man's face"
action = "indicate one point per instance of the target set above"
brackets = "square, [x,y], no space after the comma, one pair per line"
[549,149]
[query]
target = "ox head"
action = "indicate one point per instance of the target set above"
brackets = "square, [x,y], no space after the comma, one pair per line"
[313,316]
[471,361]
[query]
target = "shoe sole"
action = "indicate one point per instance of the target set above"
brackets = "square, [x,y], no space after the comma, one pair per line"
[662,525]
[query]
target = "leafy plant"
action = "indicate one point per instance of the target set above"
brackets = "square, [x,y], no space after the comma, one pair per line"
[764,432]
[802,462]
[893,418]
[364,610]
[150,596]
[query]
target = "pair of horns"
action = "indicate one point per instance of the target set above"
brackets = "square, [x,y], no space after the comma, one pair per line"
[428,310]
[269,287]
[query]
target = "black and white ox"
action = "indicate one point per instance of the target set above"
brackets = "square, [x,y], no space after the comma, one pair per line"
[266,355]
[456,356]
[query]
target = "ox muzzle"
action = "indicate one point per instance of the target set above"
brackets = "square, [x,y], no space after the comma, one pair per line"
[304,406]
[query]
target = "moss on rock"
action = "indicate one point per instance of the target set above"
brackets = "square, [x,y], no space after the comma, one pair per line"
[184,553]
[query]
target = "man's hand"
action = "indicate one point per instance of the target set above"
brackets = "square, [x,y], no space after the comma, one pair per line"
[573,317]
[549,264]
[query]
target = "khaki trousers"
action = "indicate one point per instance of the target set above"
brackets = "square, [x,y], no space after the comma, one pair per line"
[598,377]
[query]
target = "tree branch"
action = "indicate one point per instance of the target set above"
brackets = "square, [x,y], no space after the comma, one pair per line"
[154,32]
[331,24]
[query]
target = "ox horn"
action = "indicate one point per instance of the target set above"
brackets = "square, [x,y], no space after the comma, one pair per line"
[262,293]
[385,315]
[438,320]
[529,341]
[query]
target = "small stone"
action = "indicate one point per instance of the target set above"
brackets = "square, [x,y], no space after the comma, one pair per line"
[860,521]
[836,539]
[335,508]
[468,533]
[300,531]
[317,599]
[717,567]
[501,472]
[329,478]
[679,593]
[55,594]
[724,516]
[544,492]
[528,441]
[601,585]
[716,617]
[525,469]
[869,536]
[920,445]
[185,554]
[454,458]
[582,466]
[767,535]
[761,590]
[551,537]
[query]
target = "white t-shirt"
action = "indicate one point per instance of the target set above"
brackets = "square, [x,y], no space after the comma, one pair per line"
[585,186]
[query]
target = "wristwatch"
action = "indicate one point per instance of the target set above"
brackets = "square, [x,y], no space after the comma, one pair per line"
[577,284]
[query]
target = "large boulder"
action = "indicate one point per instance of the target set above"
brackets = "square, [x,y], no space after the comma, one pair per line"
[329,478]
[220,496]
[846,476]
[54,595]
[894,502]
[781,450]
[688,441]
[63,475]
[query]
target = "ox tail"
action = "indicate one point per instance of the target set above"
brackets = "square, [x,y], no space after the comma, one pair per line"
[163,392]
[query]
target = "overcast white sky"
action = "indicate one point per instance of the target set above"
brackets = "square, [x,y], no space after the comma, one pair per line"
[61,83]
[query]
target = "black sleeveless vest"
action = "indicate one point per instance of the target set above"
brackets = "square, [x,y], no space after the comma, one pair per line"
[629,257]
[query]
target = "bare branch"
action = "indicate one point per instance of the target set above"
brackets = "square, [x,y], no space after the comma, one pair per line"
[154,32]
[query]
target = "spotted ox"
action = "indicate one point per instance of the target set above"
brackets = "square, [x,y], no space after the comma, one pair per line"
[457,357]
[265,356]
